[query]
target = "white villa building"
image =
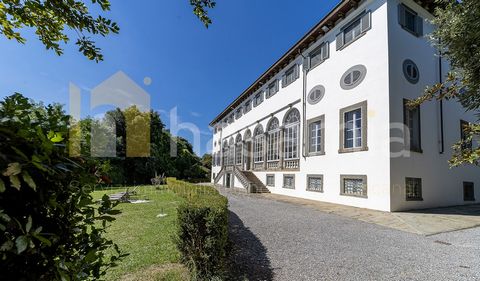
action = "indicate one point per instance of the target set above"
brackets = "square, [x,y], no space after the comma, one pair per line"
[328,120]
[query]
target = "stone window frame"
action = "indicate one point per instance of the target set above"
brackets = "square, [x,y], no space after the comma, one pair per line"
[364,20]
[322,52]
[472,185]
[272,89]
[320,118]
[312,91]
[258,98]
[405,123]
[363,73]
[364,178]
[409,62]
[288,175]
[418,197]
[247,106]
[266,180]
[364,111]
[294,70]
[309,176]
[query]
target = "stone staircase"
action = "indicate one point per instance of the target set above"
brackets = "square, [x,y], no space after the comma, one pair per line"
[219,176]
[256,184]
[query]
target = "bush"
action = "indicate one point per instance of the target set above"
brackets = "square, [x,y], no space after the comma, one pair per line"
[50,226]
[203,229]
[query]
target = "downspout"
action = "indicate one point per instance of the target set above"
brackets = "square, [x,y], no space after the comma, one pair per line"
[304,104]
[440,78]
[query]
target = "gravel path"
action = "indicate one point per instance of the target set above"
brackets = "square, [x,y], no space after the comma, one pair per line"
[281,241]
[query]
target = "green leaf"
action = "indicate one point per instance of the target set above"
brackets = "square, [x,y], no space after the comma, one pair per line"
[7,246]
[28,179]
[42,239]
[15,181]
[28,226]
[20,153]
[12,169]
[2,186]
[55,137]
[22,243]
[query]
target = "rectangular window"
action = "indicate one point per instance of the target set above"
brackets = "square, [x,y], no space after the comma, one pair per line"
[258,149]
[353,128]
[238,154]
[273,145]
[354,30]
[291,141]
[316,136]
[272,89]
[290,76]
[410,21]
[238,113]
[270,180]
[315,183]
[289,181]
[411,120]
[413,187]
[258,99]
[353,185]
[353,125]
[247,107]
[467,143]
[318,55]
[468,191]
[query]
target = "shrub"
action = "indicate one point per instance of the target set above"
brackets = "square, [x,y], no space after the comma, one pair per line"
[203,229]
[50,226]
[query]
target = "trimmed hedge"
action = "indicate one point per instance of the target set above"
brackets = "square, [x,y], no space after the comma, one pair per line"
[203,229]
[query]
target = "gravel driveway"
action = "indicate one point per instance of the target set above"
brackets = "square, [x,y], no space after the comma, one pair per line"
[281,241]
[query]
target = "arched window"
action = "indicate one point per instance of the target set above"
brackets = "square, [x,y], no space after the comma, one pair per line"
[291,134]
[225,152]
[258,139]
[248,135]
[238,150]
[273,130]
[231,151]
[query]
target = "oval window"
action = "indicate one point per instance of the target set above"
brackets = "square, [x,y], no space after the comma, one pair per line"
[353,77]
[316,94]
[410,70]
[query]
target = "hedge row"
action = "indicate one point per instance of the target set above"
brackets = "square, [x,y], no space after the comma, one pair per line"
[203,229]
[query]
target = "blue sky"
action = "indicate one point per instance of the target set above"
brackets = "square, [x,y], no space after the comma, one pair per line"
[199,71]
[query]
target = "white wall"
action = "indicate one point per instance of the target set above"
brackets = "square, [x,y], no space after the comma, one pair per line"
[441,186]
[370,50]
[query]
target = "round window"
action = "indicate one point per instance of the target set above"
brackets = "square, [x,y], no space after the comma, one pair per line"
[410,70]
[316,94]
[353,77]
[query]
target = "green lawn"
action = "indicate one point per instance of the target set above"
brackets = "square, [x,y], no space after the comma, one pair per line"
[147,238]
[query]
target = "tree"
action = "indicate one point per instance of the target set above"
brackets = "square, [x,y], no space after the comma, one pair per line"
[51,228]
[49,18]
[456,39]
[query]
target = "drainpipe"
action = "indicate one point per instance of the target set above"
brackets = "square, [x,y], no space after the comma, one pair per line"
[304,104]
[440,78]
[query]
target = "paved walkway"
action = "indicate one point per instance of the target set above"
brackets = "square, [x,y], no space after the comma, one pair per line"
[423,222]
[278,240]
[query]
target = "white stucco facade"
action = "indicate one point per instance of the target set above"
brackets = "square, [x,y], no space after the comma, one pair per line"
[382,162]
